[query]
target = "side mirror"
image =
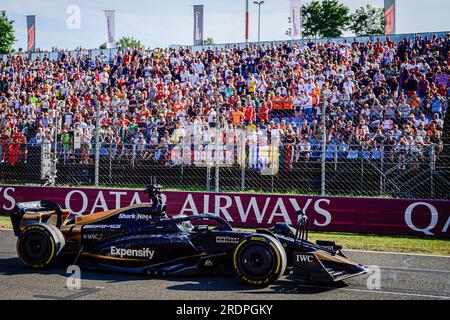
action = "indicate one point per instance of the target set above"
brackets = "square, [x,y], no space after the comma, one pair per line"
[302,218]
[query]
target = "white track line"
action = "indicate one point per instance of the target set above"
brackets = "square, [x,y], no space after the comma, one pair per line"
[415,269]
[399,253]
[379,292]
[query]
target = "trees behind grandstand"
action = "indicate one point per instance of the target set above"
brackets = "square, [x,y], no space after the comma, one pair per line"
[324,19]
[126,42]
[367,21]
[7,37]
[208,42]
[330,18]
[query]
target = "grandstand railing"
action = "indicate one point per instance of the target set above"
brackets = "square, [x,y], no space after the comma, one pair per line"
[107,54]
[302,42]
[349,170]
[110,53]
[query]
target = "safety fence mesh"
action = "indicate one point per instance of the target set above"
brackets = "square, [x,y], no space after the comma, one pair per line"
[419,172]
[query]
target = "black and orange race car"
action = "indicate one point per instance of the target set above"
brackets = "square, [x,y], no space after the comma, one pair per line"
[142,239]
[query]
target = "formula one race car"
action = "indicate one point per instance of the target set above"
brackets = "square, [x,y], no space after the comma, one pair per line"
[142,239]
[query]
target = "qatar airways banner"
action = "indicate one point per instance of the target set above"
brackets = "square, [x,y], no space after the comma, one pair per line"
[360,215]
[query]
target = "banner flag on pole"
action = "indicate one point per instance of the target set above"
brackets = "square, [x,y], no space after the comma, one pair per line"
[31,32]
[389,14]
[111,29]
[294,9]
[198,25]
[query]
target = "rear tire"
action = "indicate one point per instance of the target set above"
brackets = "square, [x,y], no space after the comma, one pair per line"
[259,260]
[39,245]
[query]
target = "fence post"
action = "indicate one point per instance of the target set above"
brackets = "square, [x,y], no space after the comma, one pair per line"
[111,157]
[217,173]
[382,171]
[208,176]
[97,140]
[217,152]
[432,161]
[243,145]
[335,147]
[55,151]
[134,157]
[324,146]
[182,164]
[273,162]
[361,176]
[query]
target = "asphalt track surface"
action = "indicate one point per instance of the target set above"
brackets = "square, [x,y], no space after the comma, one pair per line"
[403,276]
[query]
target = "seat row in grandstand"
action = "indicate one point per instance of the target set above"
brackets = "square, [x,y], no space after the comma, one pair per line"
[296,121]
[351,154]
[299,121]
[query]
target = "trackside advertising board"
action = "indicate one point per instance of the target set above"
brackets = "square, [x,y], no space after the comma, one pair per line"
[359,215]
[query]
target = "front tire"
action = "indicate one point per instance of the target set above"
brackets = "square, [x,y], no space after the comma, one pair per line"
[259,260]
[39,245]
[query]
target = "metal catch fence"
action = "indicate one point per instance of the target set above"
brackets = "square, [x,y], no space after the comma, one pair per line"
[353,170]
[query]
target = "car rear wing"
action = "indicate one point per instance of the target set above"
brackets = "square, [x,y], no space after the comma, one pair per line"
[34,207]
[307,266]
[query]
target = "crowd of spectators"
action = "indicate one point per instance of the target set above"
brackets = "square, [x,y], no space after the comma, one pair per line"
[375,95]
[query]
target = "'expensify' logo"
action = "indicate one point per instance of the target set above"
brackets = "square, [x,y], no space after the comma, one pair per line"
[137,253]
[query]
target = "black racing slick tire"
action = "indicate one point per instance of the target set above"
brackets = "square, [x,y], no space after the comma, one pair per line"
[259,260]
[39,245]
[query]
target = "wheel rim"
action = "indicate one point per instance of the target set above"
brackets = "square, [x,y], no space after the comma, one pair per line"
[35,248]
[257,261]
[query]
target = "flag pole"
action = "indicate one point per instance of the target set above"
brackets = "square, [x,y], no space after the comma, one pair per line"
[246,20]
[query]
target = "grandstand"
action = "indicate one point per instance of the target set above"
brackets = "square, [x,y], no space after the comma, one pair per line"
[380,100]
